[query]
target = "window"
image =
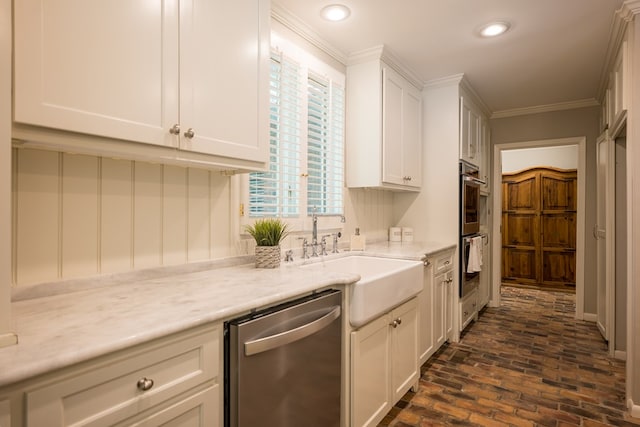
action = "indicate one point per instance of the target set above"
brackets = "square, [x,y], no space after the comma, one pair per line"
[306,160]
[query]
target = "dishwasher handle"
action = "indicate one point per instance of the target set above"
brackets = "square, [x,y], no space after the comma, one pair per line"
[278,340]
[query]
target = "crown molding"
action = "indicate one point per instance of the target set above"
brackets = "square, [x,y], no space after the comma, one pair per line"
[454,79]
[617,34]
[383,53]
[560,106]
[293,23]
[630,8]
[465,84]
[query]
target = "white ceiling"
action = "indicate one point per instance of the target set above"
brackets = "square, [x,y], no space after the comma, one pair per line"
[553,53]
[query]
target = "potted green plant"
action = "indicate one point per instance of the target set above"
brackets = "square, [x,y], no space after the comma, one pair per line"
[268,233]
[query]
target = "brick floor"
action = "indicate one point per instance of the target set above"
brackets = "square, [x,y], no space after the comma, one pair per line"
[526,363]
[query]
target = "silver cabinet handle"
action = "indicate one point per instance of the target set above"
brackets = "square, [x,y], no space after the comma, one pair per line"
[175,129]
[396,322]
[144,384]
[190,133]
[278,340]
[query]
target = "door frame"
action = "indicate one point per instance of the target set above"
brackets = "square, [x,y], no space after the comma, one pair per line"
[581,142]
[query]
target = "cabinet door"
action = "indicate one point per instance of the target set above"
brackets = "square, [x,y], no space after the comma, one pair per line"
[404,348]
[469,132]
[484,155]
[412,137]
[425,317]
[439,295]
[101,67]
[224,53]
[117,389]
[447,303]
[392,103]
[200,409]
[370,373]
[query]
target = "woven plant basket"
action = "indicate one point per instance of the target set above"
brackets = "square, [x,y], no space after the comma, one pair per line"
[267,256]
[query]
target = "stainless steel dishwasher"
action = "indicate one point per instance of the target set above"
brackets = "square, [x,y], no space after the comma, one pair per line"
[282,364]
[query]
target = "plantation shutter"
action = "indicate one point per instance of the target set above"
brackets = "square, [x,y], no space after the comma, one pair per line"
[276,193]
[325,140]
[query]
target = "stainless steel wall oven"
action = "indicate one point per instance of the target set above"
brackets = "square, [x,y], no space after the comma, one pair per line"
[469,199]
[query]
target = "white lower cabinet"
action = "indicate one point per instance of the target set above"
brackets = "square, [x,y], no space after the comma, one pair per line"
[384,363]
[172,381]
[436,304]
[195,410]
[426,314]
[468,309]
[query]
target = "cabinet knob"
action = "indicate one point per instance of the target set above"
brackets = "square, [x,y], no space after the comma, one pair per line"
[175,129]
[189,133]
[406,178]
[144,384]
[396,322]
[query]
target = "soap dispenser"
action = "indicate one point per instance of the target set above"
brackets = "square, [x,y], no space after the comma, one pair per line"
[357,241]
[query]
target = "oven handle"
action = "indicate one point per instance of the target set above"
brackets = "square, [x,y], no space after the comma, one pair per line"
[473,180]
[283,338]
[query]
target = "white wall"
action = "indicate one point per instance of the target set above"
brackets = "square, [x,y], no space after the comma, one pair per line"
[564,157]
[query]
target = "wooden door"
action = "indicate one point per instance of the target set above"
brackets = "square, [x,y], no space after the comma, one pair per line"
[539,227]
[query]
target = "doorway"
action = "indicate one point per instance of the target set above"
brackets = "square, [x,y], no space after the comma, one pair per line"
[498,151]
[539,226]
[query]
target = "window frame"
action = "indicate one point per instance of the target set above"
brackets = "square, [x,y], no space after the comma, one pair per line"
[302,223]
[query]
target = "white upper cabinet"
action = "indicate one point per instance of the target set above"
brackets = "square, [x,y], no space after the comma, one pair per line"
[384,127]
[475,140]
[223,89]
[470,121]
[191,75]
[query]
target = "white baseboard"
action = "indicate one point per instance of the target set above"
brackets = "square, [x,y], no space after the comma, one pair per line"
[590,317]
[634,410]
[620,354]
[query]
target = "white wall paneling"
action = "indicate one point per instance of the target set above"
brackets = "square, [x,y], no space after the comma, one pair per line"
[174,214]
[222,242]
[116,214]
[37,221]
[79,216]
[147,215]
[199,214]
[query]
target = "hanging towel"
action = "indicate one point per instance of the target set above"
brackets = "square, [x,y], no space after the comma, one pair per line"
[474,263]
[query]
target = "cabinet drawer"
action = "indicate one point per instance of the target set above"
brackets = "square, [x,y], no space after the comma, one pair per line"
[443,262]
[468,309]
[199,409]
[113,388]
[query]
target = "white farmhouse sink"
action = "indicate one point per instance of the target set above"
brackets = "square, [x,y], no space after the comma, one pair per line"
[384,283]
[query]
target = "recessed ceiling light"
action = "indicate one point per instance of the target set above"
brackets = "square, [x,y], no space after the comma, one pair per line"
[494,29]
[335,12]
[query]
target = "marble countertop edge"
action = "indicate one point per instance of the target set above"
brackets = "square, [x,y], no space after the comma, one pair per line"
[59,329]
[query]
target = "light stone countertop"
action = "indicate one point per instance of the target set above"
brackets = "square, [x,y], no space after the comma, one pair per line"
[63,329]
